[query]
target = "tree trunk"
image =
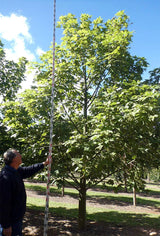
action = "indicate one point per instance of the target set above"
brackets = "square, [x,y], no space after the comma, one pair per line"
[134,195]
[125,173]
[125,181]
[158,175]
[148,177]
[63,191]
[63,188]
[82,204]
[82,191]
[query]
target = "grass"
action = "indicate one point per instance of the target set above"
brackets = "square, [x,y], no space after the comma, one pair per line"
[116,217]
[141,200]
[58,208]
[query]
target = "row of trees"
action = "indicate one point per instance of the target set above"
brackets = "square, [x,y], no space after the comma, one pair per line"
[11,76]
[106,116]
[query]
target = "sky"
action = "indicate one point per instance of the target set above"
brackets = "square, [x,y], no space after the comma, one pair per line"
[26,26]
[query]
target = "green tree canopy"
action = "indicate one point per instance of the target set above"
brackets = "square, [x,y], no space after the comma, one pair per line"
[100,107]
[11,75]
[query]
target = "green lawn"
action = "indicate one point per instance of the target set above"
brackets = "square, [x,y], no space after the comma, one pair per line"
[115,216]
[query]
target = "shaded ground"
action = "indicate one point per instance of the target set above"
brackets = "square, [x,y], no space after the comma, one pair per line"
[58,226]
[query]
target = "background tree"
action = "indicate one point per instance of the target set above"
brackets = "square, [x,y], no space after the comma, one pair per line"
[130,117]
[154,77]
[11,76]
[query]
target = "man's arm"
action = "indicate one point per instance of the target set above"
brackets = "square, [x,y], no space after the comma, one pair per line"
[27,172]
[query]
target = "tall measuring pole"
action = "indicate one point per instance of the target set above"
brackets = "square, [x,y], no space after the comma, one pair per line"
[51,127]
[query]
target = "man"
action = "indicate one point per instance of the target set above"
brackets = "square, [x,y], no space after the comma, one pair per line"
[12,191]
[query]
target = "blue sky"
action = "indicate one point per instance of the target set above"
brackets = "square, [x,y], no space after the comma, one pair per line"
[26,26]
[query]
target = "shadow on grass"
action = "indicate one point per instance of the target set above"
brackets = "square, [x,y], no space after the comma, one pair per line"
[114,217]
[123,201]
[117,199]
[151,193]
[62,221]
[114,200]
[145,192]
[108,189]
[126,219]
[41,190]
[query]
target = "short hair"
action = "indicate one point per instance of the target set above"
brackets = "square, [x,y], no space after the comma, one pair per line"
[9,155]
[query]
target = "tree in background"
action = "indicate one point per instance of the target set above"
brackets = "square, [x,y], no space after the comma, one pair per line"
[130,119]
[11,76]
[154,77]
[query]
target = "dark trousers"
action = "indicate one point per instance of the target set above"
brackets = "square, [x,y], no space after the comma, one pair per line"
[16,229]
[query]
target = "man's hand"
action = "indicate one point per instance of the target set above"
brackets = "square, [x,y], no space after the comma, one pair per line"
[46,162]
[7,232]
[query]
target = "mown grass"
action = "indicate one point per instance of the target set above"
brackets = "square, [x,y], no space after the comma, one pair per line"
[146,199]
[116,217]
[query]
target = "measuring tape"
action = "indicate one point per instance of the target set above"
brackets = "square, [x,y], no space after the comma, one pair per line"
[51,128]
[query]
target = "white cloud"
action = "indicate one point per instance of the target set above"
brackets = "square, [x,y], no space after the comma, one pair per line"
[13,26]
[15,29]
[39,51]
[19,50]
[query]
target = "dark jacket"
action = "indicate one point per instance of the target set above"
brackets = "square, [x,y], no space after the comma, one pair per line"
[13,194]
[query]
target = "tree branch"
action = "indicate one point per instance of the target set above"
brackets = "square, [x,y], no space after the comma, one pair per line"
[75,181]
[71,119]
[94,94]
[99,181]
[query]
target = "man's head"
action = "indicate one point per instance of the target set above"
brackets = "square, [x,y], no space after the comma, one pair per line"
[12,158]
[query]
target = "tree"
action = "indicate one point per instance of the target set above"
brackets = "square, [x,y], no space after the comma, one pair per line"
[154,77]
[6,140]
[130,117]
[87,60]
[11,76]
[93,58]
